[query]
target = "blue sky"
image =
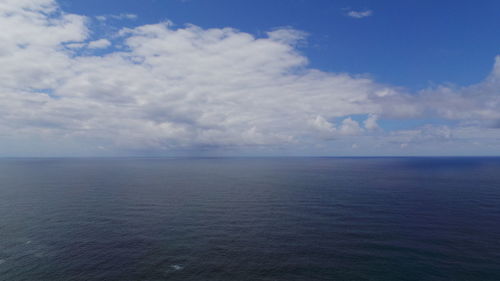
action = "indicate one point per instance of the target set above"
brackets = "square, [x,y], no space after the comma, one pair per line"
[274,77]
[413,44]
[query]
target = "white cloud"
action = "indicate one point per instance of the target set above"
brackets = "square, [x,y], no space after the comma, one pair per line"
[322,125]
[187,88]
[371,122]
[99,44]
[30,53]
[287,35]
[479,102]
[75,45]
[101,18]
[123,16]
[350,127]
[359,14]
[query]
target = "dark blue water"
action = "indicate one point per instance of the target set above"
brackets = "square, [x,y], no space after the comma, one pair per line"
[250,219]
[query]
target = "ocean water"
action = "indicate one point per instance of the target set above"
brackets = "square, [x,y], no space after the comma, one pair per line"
[250,219]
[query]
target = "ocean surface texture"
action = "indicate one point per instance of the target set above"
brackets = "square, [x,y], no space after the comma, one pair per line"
[250,219]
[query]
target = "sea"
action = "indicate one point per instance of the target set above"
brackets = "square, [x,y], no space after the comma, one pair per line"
[294,218]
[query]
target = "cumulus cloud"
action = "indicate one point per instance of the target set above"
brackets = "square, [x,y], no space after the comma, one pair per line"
[371,122]
[477,102]
[183,88]
[30,53]
[350,127]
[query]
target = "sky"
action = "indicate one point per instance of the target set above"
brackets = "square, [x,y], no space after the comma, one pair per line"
[249,78]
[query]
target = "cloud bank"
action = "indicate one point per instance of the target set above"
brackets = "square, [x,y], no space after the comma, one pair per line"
[160,88]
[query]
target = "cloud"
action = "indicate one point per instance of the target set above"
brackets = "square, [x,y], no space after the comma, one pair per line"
[75,45]
[30,53]
[478,102]
[188,88]
[122,16]
[359,14]
[371,122]
[99,44]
